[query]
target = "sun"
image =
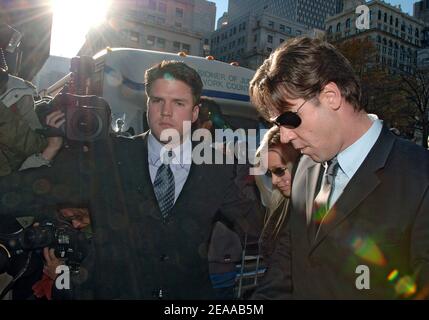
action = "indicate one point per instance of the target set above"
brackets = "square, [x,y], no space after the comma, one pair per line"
[72,20]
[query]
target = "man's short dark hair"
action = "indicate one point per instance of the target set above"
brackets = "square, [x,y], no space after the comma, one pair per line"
[175,70]
[301,68]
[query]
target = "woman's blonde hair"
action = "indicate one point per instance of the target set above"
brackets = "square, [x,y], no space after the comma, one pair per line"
[273,198]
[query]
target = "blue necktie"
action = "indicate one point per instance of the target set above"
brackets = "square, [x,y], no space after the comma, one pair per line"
[164,187]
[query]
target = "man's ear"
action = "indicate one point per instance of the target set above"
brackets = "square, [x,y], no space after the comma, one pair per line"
[195,113]
[331,96]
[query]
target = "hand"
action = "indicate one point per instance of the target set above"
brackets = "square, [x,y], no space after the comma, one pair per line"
[51,263]
[55,119]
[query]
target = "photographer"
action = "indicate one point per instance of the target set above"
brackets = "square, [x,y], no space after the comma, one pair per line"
[21,147]
[18,121]
[79,219]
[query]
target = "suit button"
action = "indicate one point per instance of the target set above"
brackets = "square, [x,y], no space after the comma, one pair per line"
[158,293]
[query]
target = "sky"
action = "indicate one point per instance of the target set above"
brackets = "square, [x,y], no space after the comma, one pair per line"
[68,35]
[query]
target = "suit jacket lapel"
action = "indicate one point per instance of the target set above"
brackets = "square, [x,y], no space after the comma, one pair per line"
[359,187]
[145,182]
[311,185]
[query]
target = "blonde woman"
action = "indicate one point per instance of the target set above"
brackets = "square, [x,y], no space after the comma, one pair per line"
[275,187]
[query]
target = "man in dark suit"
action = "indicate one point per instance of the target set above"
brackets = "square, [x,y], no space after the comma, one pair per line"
[359,223]
[151,207]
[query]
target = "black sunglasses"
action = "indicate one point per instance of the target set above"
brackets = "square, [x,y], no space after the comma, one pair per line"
[278,172]
[289,119]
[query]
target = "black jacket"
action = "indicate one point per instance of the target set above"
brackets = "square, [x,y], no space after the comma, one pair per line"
[381,221]
[138,254]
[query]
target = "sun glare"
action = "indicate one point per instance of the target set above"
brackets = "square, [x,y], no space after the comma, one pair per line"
[72,20]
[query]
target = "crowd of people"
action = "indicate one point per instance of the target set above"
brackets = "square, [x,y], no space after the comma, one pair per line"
[336,187]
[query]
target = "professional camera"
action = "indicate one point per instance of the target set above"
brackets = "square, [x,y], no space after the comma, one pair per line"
[87,117]
[69,244]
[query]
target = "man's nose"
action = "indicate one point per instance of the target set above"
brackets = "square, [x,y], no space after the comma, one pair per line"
[286,135]
[166,109]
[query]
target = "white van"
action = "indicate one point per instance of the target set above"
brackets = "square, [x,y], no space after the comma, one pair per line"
[118,77]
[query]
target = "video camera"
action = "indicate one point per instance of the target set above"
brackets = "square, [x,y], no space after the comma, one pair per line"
[87,117]
[69,244]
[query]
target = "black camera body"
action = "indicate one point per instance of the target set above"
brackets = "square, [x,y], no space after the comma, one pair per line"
[69,244]
[87,117]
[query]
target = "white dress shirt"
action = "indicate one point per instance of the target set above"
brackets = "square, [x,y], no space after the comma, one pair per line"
[351,159]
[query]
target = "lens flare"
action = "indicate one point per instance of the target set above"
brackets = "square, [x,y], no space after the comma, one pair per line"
[368,250]
[406,287]
[393,275]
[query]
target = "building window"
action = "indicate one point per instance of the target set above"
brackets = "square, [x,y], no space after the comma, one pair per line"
[348,22]
[271,24]
[298,32]
[339,27]
[134,36]
[150,40]
[269,49]
[330,30]
[152,4]
[396,22]
[255,38]
[282,40]
[160,42]
[270,39]
[417,33]
[179,12]
[162,7]
[178,24]
[385,17]
[379,14]
[186,47]
[160,20]
[391,20]
[282,27]
[176,45]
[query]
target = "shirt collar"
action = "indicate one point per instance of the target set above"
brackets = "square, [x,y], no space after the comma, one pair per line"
[351,158]
[182,152]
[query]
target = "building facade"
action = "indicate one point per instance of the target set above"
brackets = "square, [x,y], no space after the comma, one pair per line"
[396,35]
[311,13]
[250,39]
[421,10]
[163,25]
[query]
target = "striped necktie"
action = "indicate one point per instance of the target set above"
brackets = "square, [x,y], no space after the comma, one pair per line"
[164,186]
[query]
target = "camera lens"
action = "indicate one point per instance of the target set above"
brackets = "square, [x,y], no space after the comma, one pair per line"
[86,123]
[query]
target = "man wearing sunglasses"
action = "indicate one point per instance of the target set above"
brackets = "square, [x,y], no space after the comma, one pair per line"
[360,197]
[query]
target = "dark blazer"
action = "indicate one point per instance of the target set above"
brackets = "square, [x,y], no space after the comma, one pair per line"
[380,221]
[138,254]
